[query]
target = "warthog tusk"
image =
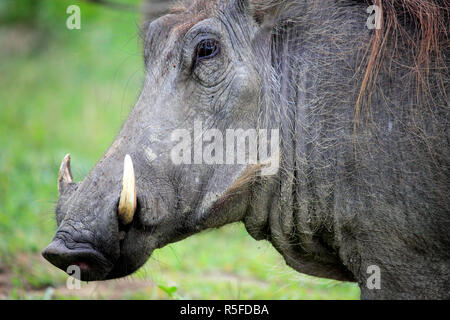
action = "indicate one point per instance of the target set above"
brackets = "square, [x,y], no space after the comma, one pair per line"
[127,203]
[65,175]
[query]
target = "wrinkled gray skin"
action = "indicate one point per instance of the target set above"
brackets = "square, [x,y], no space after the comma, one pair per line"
[342,200]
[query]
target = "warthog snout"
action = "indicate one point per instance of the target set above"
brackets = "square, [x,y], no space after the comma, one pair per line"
[92,264]
[68,250]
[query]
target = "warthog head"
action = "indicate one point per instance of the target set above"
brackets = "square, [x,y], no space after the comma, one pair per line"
[166,176]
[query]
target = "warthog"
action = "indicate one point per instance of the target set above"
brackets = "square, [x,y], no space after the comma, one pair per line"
[361,109]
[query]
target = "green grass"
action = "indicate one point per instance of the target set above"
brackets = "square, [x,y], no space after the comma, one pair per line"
[67,91]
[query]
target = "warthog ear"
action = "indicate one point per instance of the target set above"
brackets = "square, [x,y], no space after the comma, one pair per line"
[263,11]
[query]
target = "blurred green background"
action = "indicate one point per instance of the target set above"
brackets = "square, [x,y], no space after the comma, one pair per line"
[67,91]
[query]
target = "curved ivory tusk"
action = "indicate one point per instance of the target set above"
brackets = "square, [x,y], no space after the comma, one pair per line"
[127,203]
[65,175]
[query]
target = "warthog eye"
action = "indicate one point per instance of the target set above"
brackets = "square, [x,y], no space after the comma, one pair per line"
[206,49]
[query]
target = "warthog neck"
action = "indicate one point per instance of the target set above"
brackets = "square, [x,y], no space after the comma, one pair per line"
[306,242]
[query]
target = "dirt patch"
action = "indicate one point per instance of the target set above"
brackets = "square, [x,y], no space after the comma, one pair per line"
[32,277]
[32,272]
[5,281]
[113,289]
